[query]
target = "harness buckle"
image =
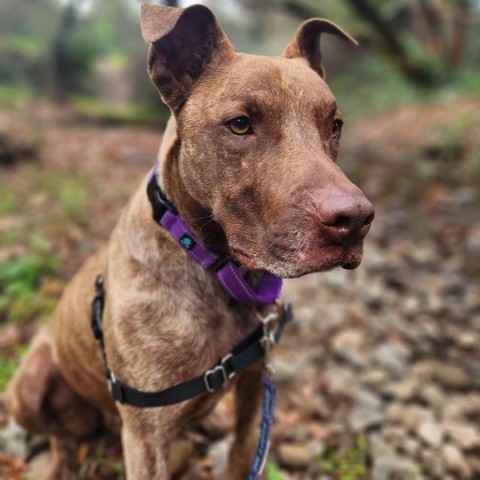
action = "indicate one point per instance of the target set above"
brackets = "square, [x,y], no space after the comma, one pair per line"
[223,363]
[206,377]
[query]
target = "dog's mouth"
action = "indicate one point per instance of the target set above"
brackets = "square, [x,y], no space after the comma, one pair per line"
[299,263]
[246,260]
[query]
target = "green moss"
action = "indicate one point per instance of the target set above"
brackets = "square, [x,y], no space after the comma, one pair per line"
[273,473]
[10,236]
[68,193]
[19,281]
[347,465]
[7,369]
[8,202]
[14,95]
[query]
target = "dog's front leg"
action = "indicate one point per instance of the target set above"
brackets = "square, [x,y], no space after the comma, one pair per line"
[248,399]
[145,439]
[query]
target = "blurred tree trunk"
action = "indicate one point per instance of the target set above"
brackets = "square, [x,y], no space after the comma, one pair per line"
[436,40]
[459,33]
[392,44]
[59,81]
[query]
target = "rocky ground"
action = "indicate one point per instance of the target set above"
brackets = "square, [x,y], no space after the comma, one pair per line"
[379,376]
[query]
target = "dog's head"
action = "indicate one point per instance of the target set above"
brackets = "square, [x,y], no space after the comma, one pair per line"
[257,143]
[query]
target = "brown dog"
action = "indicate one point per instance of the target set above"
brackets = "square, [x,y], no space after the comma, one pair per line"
[248,158]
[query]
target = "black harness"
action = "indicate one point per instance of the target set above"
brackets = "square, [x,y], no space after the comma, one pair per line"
[254,347]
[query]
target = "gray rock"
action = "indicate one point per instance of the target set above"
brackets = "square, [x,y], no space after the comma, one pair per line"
[414,415]
[466,436]
[433,395]
[412,305]
[367,399]
[402,391]
[361,419]
[467,340]
[455,462]
[433,463]
[297,456]
[348,339]
[286,371]
[435,303]
[13,440]
[392,357]
[374,377]
[430,432]
[218,452]
[316,447]
[453,409]
[373,295]
[424,370]
[453,377]
[395,436]
[411,446]
[348,345]
[394,466]
[471,404]
[340,382]
[378,447]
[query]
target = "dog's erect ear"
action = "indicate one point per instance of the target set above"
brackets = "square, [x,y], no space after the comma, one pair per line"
[183,42]
[306,42]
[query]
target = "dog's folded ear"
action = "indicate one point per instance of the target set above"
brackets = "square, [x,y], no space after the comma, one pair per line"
[183,42]
[306,43]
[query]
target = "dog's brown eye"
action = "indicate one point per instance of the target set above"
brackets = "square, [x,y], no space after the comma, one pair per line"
[239,125]
[336,128]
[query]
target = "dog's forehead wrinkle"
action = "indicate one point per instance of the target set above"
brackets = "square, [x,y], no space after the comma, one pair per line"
[263,83]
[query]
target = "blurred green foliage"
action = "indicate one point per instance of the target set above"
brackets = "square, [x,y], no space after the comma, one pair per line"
[9,202]
[90,53]
[20,279]
[7,369]
[58,51]
[273,473]
[378,85]
[348,465]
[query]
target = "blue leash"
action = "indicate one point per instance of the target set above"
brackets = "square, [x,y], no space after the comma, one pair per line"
[265,428]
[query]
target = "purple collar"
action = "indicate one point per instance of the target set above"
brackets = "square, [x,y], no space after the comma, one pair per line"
[227,271]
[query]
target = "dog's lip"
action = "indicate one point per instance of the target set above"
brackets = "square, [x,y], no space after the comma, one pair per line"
[245,259]
[318,259]
[325,258]
[351,264]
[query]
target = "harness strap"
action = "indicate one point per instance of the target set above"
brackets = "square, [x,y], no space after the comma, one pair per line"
[247,352]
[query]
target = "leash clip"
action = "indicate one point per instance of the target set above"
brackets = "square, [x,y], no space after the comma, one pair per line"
[268,339]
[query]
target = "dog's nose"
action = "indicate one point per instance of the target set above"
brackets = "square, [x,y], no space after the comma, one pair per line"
[345,216]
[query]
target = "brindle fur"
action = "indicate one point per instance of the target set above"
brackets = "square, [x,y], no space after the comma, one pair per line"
[275,199]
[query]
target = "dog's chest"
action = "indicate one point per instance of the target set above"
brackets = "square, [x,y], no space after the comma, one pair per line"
[158,344]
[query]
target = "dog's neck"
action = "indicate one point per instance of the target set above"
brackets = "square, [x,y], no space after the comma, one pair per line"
[195,215]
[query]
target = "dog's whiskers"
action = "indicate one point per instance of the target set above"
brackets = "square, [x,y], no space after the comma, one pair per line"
[210,216]
[212,219]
